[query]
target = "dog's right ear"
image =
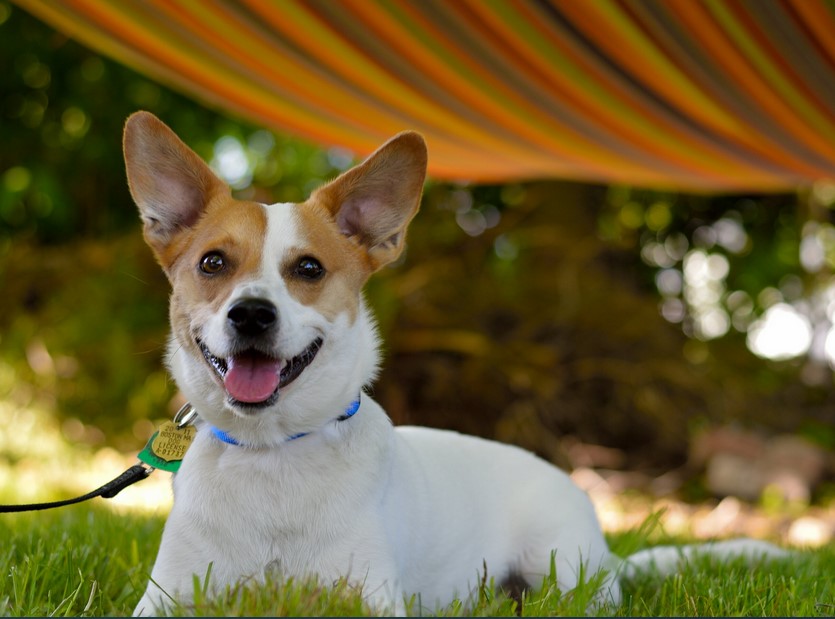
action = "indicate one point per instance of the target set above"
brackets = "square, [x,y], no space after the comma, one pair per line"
[169,182]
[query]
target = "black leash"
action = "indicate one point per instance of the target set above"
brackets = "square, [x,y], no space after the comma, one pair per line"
[136,473]
[166,455]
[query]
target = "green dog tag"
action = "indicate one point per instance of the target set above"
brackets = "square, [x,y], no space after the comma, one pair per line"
[167,447]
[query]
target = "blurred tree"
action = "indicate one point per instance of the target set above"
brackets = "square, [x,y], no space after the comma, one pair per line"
[62,111]
[61,122]
[530,312]
[526,311]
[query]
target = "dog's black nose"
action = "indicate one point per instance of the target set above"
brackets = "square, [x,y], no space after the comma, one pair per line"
[252,316]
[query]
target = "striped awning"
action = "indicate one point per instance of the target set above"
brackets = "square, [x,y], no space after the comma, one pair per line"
[706,95]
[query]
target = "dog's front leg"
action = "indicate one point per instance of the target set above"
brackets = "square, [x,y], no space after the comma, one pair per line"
[385,600]
[152,603]
[184,555]
[378,580]
[160,600]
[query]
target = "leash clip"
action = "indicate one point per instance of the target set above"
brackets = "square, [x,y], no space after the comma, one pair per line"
[185,416]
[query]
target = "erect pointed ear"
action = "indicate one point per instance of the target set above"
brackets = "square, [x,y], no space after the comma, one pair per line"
[169,182]
[375,201]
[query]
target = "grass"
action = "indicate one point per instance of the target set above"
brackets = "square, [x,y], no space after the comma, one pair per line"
[86,560]
[74,561]
[801,587]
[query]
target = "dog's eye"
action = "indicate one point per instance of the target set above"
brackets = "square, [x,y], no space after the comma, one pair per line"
[309,268]
[212,263]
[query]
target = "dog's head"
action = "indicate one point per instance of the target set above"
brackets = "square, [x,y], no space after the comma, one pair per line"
[270,336]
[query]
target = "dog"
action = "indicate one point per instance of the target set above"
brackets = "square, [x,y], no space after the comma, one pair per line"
[294,467]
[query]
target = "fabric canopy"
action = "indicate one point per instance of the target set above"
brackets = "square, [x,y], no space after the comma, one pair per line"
[706,95]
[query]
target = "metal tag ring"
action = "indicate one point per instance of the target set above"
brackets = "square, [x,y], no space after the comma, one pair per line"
[185,416]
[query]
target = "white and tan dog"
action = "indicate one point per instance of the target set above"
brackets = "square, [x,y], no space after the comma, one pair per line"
[295,468]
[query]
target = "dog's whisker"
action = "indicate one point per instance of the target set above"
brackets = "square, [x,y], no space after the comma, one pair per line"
[132,276]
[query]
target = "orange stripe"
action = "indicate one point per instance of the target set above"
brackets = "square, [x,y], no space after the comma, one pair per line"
[604,23]
[339,55]
[696,18]
[338,93]
[699,145]
[765,44]
[749,145]
[782,94]
[820,23]
[590,98]
[544,132]
[428,116]
[222,30]
[402,41]
[224,85]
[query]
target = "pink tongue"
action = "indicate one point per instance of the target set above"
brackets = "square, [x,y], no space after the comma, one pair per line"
[252,378]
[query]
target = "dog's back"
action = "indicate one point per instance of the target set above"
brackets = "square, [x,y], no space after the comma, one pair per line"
[465,503]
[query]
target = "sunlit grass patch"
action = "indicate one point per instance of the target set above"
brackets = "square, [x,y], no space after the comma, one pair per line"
[89,561]
[38,463]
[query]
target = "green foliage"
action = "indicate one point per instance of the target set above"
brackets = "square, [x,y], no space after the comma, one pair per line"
[756,238]
[86,334]
[60,176]
[61,117]
[540,326]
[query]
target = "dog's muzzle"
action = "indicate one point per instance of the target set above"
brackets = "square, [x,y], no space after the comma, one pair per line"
[253,376]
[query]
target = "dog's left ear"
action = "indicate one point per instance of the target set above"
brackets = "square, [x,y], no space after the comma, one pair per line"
[375,201]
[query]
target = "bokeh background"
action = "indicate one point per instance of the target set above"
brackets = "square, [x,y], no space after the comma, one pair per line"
[675,342]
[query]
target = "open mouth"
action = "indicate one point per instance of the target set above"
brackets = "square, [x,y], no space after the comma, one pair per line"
[254,378]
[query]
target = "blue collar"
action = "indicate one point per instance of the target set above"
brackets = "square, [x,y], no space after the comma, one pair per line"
[353,407]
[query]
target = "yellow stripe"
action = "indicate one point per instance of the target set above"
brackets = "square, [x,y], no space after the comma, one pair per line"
[667,79]
[782,87]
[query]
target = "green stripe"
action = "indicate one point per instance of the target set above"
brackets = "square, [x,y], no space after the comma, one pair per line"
[774,76]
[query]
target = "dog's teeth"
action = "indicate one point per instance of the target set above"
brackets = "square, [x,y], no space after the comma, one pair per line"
[217,363]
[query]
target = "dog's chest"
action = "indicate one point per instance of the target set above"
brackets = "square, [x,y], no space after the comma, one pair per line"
[247,512]
[276,499]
